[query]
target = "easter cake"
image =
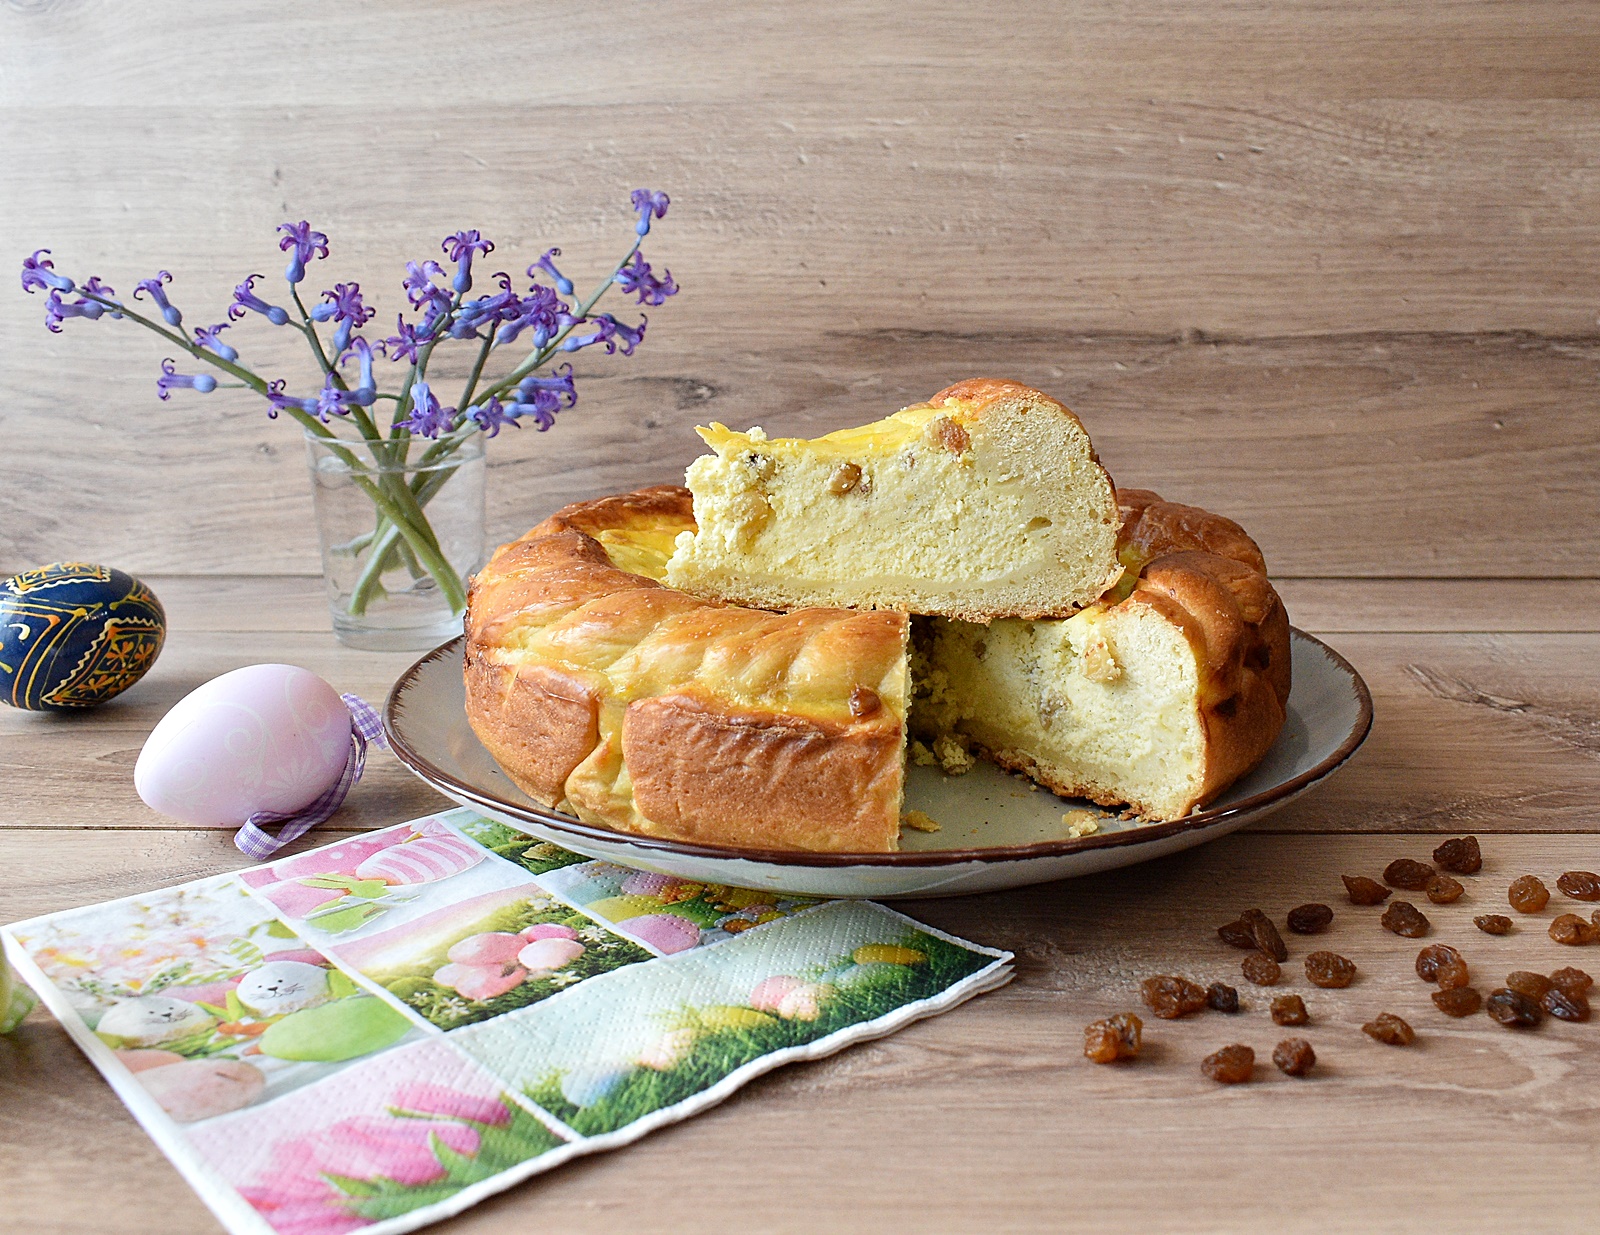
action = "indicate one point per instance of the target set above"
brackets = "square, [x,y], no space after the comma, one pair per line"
[642,708]
[986,501]
[1157,697]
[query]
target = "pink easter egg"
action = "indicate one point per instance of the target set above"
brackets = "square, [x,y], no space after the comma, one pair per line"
[203,1088]
[665,932]
[341,859]
[645,883]
[491,948]
[304,955]
[213,993]
[487,981]
[543,955]
[769,994]
[449,975]
[144,1060]
[425,860]
[804,1003]
[265,737]
[549,930]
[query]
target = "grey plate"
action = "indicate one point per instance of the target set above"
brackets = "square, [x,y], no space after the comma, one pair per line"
[997,831]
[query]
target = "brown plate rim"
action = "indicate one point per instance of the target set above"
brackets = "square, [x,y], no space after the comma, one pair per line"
[436,776]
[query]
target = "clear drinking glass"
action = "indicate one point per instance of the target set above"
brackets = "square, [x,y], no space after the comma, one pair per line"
[401,528]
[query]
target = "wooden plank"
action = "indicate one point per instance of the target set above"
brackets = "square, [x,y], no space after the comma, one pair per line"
[1358,456]
[1497,732]
[988,1117]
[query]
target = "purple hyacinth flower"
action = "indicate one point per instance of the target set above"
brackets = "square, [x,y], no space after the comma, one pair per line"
[563,284]
[543,397]
[503,306]
[649,202]
[460,248]
[343,305]
[208,337]
[281,402]
[638,279]
[366,388]
[614,334]
[38,273]
[157,294]
[245,299]
[490,416]
[420,289]
[404,345]
[93,287]
[539,309]
[427,418]
[302,244]
[57,310]
[331,401]
[171,380]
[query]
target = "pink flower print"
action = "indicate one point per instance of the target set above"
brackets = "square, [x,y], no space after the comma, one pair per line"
[368,1147]
[422,1098]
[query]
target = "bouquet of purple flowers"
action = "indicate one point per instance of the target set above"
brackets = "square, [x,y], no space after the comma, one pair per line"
[544,322]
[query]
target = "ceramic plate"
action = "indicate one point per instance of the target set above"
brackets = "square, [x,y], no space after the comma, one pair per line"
[998,831]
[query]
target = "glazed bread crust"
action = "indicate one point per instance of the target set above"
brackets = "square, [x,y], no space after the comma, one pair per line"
[647,710]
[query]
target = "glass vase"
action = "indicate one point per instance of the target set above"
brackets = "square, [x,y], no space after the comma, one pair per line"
[400,523]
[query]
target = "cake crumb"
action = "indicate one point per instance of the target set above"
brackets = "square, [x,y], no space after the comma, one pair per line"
[1081,823]
[922,756]
[918,821]
[952,756]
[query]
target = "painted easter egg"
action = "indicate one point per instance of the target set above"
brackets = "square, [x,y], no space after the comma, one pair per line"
[887,954]
[150,1020]
[548,930]
[770,992]
[137,1060]
[281,987]
[616,908]
[668,1051]
[261,738]
[588,1086]
[425,860]
[804,1003]
[490,948]
[480,982]
[201,1088]
[74,634]
[332,1032]
[543,955]
[665,932]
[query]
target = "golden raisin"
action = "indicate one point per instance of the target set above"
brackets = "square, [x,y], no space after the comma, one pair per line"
[1458,1001]
[845,478]
[1572,980]
[864,702]
[1222,997]
[1232,1065]
[1289,1010]
[1443,890]
[1408,874]
[1364,891]
[1513,1009]
[1116,1037]
[1266,934]
[1569,928]
[1565,1005]
[1170,997]
[1294,1056]
[1493,923]
[1524,982]
[1431,957]
[952,436]
[1261,969]
[1404,918]
[1452,974]
[1528,894]
[1310,919]
[1329,970]
[1390,1029]
[1460,855]
[1580,885]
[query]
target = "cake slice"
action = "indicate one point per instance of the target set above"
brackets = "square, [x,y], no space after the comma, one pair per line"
[986,501]
[1158,697]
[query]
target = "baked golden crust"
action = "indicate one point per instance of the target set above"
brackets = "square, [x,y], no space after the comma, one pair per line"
[652,711]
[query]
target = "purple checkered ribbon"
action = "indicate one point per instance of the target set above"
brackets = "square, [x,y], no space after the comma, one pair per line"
[256,842]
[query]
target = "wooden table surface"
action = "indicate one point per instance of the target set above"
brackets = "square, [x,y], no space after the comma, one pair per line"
[1325,268]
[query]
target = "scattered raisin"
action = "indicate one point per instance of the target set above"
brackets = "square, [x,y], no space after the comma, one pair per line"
[1565,1005]
[1237,934]
[1289,1010]
[1513,1009]
[1171,997]
[1528,894]
[1569,928]
[1493,923]
[1310,919]
[1460,855]
[1329,970]
[1266,934]
[1533,985]
[1231,1065]
[1294,1056]
[1408,874]
[1404,918]
[1572,980]
[1390,1029]
[1433,956]
[1443,890]
[1459,1001]
[1364,891]
[1116,1037]
[1222,997]
[1580,885]
[1261,969]
[1453,974]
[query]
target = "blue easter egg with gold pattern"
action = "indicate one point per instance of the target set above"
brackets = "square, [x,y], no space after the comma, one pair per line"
[74,634]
